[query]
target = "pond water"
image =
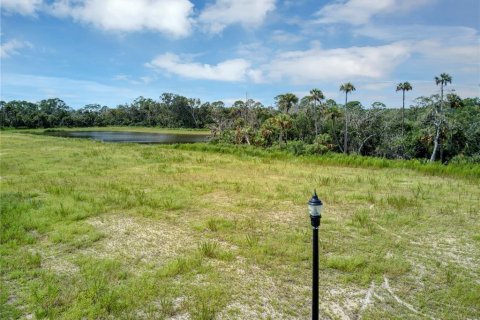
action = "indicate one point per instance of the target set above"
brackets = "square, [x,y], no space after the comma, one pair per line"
[135,137]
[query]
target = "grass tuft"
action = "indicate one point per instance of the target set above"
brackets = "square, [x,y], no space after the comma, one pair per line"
[363,219]
[346,263]
[208,249]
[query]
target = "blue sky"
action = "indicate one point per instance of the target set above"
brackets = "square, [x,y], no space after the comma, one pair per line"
[113,51]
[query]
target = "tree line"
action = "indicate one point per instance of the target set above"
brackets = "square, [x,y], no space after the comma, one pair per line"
[441,127]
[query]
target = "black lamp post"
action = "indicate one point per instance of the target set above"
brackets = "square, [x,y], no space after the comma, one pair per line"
[315,208]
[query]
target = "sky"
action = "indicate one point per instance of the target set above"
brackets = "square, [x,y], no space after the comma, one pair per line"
[112,51]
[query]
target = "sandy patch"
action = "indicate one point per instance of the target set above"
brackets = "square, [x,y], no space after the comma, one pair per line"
[59,265]
[139,239]
[280,299]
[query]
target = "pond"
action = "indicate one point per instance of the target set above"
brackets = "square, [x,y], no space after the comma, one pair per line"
[135,137]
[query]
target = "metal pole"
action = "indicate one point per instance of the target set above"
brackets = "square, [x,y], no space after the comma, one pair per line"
[315,221]
[315,275]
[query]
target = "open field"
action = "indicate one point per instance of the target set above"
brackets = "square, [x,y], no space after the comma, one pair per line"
[127,231]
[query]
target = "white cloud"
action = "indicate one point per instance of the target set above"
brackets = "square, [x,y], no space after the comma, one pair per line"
[146,80]
[435,51]
[11,47]
[249,13]
[380,85]
[23,7]
[134,81]
[255,52]
[228,70]
[417,32]
[298,67]
[319,64]
[172,17]
[285,37]
[435,44]
[120,77]
[358,12]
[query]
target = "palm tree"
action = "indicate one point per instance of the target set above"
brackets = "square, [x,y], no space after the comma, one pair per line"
[333,113]
[442,80]
[406,86]
[316,95]
[284,122]
[454,101]
[347,88]
[286,101]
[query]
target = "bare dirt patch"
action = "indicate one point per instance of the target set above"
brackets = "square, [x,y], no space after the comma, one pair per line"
[129,239]
[280,299]
[59,265]
[251,281]
[139,239]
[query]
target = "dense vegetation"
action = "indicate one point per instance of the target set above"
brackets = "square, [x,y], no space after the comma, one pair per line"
[439,127]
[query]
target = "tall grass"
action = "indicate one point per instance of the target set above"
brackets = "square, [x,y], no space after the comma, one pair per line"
[470,171]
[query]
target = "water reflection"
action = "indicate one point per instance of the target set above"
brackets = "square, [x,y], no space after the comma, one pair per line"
[136,137]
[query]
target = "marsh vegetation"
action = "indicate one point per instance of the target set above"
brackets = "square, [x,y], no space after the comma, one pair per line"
[129,231]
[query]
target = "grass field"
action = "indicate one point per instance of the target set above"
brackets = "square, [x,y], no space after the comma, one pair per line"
[126,231]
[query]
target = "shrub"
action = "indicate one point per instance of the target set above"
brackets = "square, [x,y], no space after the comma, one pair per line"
[296,147]
[461,159]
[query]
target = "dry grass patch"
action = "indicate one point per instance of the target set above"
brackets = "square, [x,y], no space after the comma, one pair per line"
[138,239]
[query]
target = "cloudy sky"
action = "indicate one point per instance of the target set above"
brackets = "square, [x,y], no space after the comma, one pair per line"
[112,51]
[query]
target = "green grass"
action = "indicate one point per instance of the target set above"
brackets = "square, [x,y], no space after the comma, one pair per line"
[471,171]
[96,230]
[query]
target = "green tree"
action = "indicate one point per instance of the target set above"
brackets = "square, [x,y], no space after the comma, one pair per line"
[316,95]
[333,113]
[454,101]
[54,113]
[367,127]
[18,114]
[405,86]
[442,80]
[220,119]
[86,116]
[284,122]
[193,106]
[347,88]
[286,101]
[178,109]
